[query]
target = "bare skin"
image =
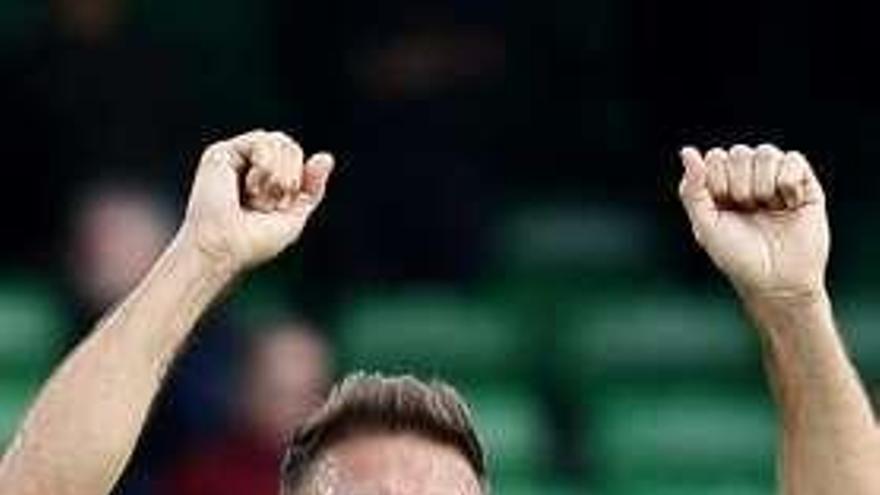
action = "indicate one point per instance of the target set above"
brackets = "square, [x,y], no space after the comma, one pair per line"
[391,464]
[760,215]
[79,435]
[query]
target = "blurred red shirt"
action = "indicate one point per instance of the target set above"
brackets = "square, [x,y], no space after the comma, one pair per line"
[238,465]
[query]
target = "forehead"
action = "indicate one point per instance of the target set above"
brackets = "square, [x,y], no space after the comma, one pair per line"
[393,464]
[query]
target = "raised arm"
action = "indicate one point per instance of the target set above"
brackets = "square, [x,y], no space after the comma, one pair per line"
[760,215]
[80,433]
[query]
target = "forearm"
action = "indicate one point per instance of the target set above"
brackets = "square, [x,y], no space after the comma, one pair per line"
[83,428]
[829,441]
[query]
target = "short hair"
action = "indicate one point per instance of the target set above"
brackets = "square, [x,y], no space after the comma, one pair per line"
[365,403]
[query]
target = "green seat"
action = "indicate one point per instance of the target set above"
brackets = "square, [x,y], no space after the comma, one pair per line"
[538,486]
[653,333]
[431,333]
[15,397]
[511,423]
[682,434]
[572,238]
[30,324]
[720,487]
[859,320]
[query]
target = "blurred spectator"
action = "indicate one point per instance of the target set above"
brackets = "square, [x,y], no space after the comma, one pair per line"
[117,231]
[285,377]
[89,20]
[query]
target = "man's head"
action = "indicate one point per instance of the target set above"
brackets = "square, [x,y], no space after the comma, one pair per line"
[387,436]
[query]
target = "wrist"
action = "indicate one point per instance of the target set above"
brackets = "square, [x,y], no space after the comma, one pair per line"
[180,287]
[777,309]
[798,297]
[192,246]
[187,253]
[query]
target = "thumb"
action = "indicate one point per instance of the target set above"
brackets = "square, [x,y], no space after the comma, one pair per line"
[316,174]
[694,191]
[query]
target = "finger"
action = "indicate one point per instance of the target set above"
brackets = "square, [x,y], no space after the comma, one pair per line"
[232,153]
[277,184]
[765,168]
[255,181]
[790,183]
[257,186]
[223,154]
[293,157]
[716,163]
[739,176]
[243,147]
[316,174]
[257,147]
[694,192]
[254,197]
[798,182]
[813,191]
[269,182]
[290,169]
[244,144]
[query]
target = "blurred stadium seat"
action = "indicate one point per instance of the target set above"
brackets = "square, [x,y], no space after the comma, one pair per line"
[432,332]
[30,326]
[716,488]
[859,321]
[564,239]
[666,385]
[539,485]
[700,434]
[15,395]
[654,334]
[513,427]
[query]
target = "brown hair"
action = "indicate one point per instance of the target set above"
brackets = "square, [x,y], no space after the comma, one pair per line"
[367,403]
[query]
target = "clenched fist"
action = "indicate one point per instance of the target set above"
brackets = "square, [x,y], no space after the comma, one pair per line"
[760,214]
[251,198]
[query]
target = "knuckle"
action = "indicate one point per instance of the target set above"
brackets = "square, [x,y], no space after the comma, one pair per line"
[257,136]
[740,150]
[767,152]
[788,183]
[262,138]
[796,158]
[767,148]
[279,137]
[296,149]
[216,151]
[716,155]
